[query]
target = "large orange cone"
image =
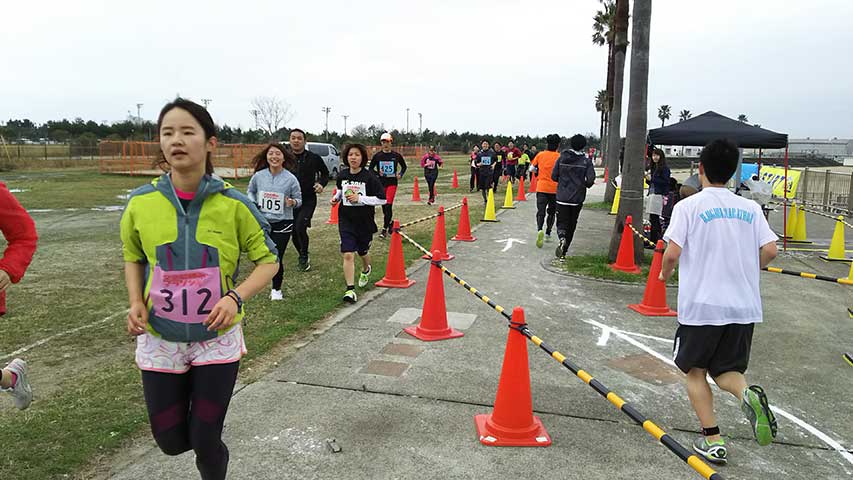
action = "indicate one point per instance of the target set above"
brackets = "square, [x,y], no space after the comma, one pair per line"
[625,256]
[533,182]
[395,269]
[439,239]
[654,299]
[606,175]
[837,252]
[521,197]
[333,215]
[512,423]
[433,325]
[416,193]
[463,231]
[455,183]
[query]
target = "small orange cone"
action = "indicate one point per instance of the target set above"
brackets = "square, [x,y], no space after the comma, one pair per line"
[439,239]
[416,193]
[521,197]
[395,269]
[654,298]
[455,183]
[463,231]
[512,423]
[433,325]
[606,175]
[625,256]
[333,215]
[533,182]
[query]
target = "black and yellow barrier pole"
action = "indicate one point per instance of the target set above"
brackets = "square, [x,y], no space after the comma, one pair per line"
[435,215]
[813,276]
[848,358]
[670,443]
[645,239]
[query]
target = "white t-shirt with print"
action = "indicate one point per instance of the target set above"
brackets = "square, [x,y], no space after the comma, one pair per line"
[720,234]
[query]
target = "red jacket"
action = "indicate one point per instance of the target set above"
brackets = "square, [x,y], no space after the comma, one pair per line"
[20,233]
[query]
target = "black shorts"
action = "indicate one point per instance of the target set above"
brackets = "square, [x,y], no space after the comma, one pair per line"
[355,242]
[716,349]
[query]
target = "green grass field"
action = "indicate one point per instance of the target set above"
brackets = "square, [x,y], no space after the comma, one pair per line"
[88,396]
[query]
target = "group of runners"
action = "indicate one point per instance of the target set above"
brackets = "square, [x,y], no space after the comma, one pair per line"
[182,236]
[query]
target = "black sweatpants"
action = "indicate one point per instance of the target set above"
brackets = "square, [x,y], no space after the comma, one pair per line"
[302,221]
[473,182]
[567,222]
[656,233]
[430,179]
[545,203]
[280,235]
[187,412]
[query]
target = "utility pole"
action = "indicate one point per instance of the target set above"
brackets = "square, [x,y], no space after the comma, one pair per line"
[206,102]
[420,123]
[327,110]
[407,120]
[255,114]
[345,123]
[138,115]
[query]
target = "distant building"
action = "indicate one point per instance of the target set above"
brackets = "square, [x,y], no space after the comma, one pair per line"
[836,148]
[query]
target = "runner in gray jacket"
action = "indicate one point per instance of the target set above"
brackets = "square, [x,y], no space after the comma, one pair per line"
[574,174]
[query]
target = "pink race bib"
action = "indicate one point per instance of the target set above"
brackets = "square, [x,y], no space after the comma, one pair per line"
[185,296]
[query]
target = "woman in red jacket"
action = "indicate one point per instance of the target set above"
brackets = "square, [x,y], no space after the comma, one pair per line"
[20,233]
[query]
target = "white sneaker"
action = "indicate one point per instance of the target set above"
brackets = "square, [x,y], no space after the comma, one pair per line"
[276,295]
[21,390]
[364,277]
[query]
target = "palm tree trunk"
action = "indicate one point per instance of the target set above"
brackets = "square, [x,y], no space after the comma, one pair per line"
[614,137]
[631,201]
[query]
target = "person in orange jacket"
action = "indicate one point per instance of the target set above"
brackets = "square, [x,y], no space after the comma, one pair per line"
[20,233]
[546,188]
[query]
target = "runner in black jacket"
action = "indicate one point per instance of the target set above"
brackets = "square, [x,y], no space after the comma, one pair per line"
[573,173]
[390,167]
[313,176]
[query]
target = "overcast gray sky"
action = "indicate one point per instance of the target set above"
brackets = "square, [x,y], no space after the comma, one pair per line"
[500,66]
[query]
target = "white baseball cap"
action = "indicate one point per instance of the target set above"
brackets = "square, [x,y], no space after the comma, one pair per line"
[385,136]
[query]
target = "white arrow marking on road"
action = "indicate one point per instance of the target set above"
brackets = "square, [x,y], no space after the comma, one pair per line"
[509,242]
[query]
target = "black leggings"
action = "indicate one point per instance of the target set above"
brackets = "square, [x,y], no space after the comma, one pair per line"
[430,179]
[567,222]
[655,234]
[187,412]
[280,235]
[473,182]
[302,221]
[545,203]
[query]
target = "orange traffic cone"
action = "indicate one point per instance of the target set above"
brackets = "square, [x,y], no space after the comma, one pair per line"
[395,269]
[654,298]
[433,325]
[521,197]
[439,239]
[625,256]
[463,231]
[333,215]
[512,423]
[606,175]
[416,193]
[455,183]
[533,182]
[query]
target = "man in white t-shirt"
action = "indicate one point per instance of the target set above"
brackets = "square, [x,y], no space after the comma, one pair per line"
[721,241]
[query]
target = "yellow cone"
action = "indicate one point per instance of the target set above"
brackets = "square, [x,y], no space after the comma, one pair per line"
[836,248]
[800,231]
[508,198]
[490,208]
[615,208]
[791,225]
[850,277]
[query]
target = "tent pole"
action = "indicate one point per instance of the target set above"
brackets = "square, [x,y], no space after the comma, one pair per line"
[785,203]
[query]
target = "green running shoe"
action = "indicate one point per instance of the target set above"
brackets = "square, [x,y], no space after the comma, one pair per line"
[757,410]
[540,239]
[350,296]
[713,452]
[364,277]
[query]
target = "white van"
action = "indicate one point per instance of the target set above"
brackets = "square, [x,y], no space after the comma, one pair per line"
[329,154]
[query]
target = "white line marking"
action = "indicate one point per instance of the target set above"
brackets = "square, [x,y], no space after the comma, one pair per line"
[537,297]
[605,336]
[60,334]
[509,243]
[832,443]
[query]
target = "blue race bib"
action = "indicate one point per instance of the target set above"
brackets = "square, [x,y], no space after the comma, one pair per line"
[386,168]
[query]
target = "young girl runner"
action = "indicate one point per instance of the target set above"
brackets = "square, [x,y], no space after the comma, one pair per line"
[431,162]
[276,192]
[182,236]
[359,190]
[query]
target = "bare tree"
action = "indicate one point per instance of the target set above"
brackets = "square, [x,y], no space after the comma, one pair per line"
[631,202]
[272,113]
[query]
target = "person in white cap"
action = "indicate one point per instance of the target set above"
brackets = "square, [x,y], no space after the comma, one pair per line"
[390,166]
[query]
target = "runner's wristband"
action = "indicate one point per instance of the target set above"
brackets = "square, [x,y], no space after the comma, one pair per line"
[233,295]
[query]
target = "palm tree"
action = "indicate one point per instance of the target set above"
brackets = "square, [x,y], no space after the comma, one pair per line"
[635,144]
[601,106]
[614,139]
[663,114]
[684,115]
[742,118]
[603,32]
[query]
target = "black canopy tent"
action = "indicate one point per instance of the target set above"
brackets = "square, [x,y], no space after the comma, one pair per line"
[701,129]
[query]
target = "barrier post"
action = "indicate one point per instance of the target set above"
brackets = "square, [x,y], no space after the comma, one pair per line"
[850,197]
[826,178]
